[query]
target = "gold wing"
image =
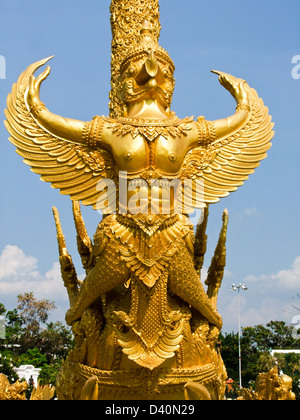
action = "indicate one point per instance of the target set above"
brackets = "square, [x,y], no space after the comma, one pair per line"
[76,170]
[221,167]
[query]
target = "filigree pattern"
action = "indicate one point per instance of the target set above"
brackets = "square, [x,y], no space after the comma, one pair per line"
[151,129]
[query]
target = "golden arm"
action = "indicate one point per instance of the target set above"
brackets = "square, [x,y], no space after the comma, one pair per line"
[65,128]
[227,126]
[209,131]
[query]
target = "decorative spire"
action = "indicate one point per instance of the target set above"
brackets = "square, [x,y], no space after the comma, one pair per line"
[216,270]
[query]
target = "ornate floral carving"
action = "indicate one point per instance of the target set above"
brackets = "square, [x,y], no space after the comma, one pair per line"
[151,129]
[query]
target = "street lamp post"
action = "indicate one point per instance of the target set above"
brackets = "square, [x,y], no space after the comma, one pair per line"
[238,288]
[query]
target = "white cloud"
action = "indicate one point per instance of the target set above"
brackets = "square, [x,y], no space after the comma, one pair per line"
[252,313]
[269,298]
[19,274]
[248,213]
[14,263]
[288,278]
[253,212]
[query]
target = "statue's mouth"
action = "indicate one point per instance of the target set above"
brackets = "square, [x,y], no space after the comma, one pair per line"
[133,92]
[151,90]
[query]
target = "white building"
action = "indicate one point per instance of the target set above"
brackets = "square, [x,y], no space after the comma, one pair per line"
[273,352]
[28,371]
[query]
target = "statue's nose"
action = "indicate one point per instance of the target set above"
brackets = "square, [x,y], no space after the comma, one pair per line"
[149,70]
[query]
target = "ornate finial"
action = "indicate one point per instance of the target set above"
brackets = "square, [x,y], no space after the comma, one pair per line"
[146,35]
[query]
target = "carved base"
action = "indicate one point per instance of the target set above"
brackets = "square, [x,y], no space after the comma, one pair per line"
[80,382]
[144,327]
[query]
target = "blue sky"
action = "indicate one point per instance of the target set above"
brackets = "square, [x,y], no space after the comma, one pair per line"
[253,40]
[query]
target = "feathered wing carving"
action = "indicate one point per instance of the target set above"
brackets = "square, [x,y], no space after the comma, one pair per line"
[214,170]
[74,169]
[221,167]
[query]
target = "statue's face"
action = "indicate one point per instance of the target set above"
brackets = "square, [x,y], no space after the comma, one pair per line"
[148,78]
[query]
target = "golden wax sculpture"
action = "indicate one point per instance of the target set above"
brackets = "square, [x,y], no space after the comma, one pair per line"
[269,387]
[14,392]
[145,327]
[17,391]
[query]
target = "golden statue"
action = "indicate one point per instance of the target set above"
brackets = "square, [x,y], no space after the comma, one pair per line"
[17,391]
[144,326]
[42,393]
[270,387]
[12,392]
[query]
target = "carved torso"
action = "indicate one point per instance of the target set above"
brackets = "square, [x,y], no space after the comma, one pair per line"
[134,155]
[148,150]
[160,145]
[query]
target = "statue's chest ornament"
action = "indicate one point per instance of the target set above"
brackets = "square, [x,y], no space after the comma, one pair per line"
[151,129]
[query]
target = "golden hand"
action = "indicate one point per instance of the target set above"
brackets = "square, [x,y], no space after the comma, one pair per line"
[234,86]
[64,128]
[33,95]
[238,89]
[33,92]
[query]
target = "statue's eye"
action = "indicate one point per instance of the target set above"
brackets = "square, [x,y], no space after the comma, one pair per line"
[166,73]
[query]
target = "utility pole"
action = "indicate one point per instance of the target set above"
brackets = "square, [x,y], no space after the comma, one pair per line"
[238,288]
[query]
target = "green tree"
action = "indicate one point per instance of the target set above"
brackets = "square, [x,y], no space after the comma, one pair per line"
[256,343]
[229,347]
[56,341]
[49,372]
[13,331]
[276,335]
[29,340]
[14,328]
[32,357]
[7,364]
[34,314]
